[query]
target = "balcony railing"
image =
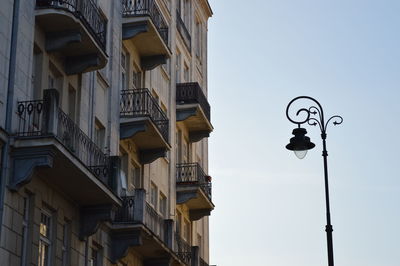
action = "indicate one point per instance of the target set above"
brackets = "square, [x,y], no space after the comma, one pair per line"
[188,93]
[133,8]
[182,249]
[153,221]
[34,122]
[193,174]
[180,24]
[84,10]
[140,103]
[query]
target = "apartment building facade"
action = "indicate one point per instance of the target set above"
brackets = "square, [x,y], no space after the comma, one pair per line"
[104,121]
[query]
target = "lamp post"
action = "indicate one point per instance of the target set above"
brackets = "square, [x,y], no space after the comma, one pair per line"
[300,143]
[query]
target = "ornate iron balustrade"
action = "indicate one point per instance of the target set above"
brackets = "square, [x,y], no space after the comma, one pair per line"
[154,222]
[187,93]
[193,174]
[30,118]
[182,249]
[132,8]
[86,11]
[140,103]
[180,24]
[125,214]
[32,115]
[203,263]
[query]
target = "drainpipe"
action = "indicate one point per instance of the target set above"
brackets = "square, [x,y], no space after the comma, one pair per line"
[9,107]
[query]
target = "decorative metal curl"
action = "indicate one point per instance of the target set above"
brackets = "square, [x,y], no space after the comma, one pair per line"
[314,115]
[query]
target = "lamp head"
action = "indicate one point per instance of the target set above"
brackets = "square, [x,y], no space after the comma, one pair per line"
[300,143]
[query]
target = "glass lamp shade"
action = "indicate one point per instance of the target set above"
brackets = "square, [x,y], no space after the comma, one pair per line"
[300,154]
[300,143]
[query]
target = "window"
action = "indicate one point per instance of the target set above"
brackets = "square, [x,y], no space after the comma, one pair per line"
[163,205]
[153,195]
[99,134]
[66,236]
[198,40]
[25,230]
[124,68]
[136,175]
[186,73]
[96,258]
[178,222]
[137,79]
[72,103]
[200,244]
[124,170]
[45,239]
[178,67]
[186,231]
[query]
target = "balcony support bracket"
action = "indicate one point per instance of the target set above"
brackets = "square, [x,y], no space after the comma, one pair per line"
[198,135]
[130,30]
[182,197]
[79,64]
[151,62]
[197,214]
[24,161]
[149,156]
[58,40]
[92,216]
[183,114]
[128,130]
[158,262]
[121,241]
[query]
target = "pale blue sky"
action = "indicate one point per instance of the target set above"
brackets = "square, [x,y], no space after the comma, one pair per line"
[269,205]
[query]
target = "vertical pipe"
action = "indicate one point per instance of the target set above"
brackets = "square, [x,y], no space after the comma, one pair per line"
[9,107]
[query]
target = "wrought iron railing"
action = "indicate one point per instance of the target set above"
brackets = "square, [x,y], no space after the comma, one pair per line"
[140,103]
[154,222]
[182,249]
[193,174]
[132,8]
[203,263]
[86,11]
[125,214]
[30,118]
[180,24]
[187,93]
[32,123]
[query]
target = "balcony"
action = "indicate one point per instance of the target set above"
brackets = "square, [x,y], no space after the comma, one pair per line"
[183,31]
[139,227]
[145,123]
[193,188]
[144,25]
[76,30]
[193,109]
[50,146]
[182,249]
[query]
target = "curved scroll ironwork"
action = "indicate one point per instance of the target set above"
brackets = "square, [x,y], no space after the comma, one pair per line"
[314,115]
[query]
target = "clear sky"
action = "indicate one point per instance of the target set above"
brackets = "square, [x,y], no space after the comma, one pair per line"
[270,208]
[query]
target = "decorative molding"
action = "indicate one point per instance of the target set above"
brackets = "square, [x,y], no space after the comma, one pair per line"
[121,241]
[25,160]
[198,135]
[130,30]
[197,214]
[79,64]
[149,156]
[92,216]
[130,129]
[58,40]
[183,114]
[151,62]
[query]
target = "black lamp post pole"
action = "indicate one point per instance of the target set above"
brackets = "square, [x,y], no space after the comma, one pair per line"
[315,116]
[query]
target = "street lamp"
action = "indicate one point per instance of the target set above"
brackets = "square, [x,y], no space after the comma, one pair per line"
[300,144]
